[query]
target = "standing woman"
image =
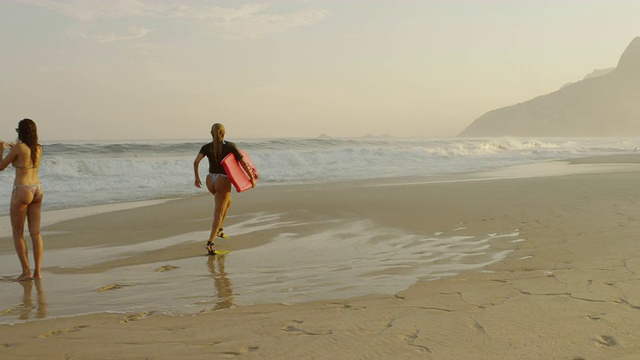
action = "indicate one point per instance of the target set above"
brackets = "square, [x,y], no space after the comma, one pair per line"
[217,181]
[26,198]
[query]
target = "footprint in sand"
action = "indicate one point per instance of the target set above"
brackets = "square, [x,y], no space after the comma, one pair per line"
[411,341]
[292,328]
[112,287]
[596,317]
[136,317]
[242,351]
[60,332]
[606,341]
[343,305]
[166,268]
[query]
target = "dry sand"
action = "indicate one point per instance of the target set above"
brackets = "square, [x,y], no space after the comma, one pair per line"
[569,290]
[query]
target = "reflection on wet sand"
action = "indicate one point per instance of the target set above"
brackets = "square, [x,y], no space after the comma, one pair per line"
[27,307]
[224,293]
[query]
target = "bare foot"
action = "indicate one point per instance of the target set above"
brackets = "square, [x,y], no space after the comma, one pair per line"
[24,276]
[36,275]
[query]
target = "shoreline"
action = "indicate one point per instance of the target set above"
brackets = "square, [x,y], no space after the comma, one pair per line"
[570,266]
[582,165]
[155,238]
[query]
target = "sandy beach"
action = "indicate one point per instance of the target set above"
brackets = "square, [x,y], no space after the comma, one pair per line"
[527,264]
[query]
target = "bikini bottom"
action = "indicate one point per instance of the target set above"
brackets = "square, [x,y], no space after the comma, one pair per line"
[35,189]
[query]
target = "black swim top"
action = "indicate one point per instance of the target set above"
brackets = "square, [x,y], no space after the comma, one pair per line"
[215,167]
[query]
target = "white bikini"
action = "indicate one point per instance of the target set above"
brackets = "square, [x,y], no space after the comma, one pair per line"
[35,189]
[215,177]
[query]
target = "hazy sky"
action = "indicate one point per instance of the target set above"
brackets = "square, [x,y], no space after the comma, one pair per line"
[141,69]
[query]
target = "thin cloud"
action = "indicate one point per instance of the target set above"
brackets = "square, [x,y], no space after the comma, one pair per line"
[134,33]
[87,10]
[246,21]
[253,27]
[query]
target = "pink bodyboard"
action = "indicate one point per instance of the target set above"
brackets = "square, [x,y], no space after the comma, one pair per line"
[239,178]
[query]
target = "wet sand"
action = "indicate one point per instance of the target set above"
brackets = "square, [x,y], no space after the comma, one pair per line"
[542,267]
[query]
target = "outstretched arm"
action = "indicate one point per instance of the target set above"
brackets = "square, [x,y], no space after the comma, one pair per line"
[5,161]
[196,165]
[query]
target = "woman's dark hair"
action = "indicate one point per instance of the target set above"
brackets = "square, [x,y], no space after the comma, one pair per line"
[28,134]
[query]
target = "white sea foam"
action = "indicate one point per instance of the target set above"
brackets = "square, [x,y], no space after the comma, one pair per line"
[347,259]
[81,174]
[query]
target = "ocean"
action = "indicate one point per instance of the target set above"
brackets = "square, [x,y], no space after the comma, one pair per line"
[286,268]
[77,174]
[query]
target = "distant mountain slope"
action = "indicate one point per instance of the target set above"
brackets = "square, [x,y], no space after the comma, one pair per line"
[606,105]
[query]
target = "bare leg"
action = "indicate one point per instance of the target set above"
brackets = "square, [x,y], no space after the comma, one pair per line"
[222,199]
[212,190]
[33,216]
[224,211]
[18,213]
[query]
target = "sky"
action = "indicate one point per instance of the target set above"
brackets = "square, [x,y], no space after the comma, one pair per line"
[168,69]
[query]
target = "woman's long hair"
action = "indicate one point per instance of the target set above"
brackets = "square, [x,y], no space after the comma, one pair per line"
[28,134]
[217,131]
